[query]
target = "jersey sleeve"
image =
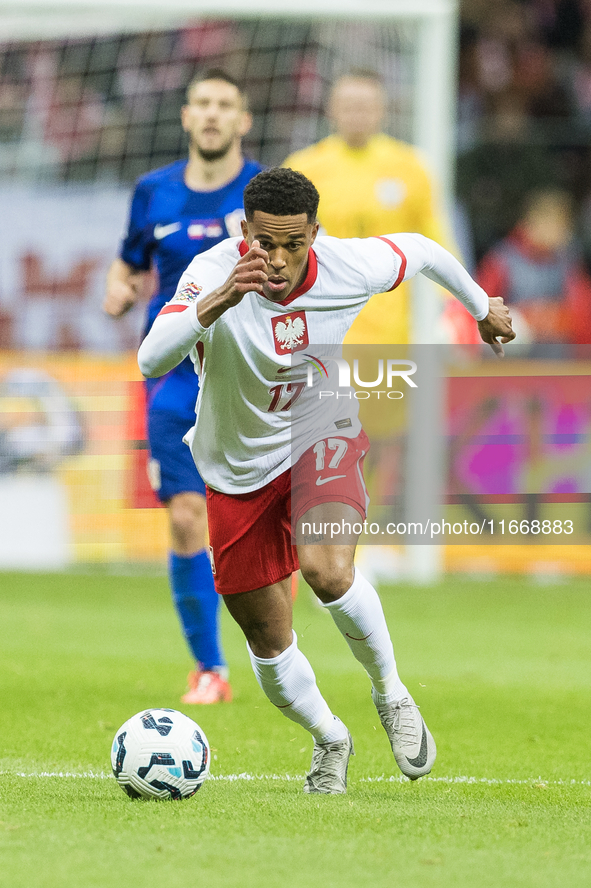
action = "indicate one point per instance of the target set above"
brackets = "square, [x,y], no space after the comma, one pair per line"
[435,262]
[412,254]
[138,244]
[380,260]
[176,329]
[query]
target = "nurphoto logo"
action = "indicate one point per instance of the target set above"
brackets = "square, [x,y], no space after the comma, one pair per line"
[389,371]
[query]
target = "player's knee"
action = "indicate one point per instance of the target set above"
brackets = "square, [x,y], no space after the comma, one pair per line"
[188,521]
[329,578]
[267,641]
[182,528]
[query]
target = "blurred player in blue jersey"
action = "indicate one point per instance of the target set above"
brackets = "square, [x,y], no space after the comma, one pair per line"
[176,212]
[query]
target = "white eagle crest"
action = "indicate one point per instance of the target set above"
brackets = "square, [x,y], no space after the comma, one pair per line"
[291,333]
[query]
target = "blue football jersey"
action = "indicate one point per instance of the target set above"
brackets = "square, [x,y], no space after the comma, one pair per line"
[169,224]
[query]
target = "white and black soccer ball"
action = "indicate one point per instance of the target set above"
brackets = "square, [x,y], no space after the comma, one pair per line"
[160,754]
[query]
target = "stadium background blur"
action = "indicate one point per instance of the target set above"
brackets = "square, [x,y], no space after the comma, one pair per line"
[82,117]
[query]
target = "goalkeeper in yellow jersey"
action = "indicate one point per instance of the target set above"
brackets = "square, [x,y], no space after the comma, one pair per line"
[370,183]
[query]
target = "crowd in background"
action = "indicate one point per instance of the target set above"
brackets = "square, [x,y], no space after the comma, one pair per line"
[525,66]
[524,158]
[524,108]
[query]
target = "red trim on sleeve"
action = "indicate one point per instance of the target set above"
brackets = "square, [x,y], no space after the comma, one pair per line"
[169,309]
[243,248]
[402,257]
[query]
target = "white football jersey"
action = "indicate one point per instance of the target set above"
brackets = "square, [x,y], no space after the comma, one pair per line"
[253,360]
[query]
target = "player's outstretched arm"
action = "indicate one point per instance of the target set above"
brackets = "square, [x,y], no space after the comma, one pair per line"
[248,275]
[124,284]
[428,257]
[178,327]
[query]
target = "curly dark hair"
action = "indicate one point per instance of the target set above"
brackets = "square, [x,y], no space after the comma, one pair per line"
[281,192]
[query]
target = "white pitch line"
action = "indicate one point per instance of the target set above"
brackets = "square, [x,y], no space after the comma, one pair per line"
[95,775]
[488,781]
[395,778]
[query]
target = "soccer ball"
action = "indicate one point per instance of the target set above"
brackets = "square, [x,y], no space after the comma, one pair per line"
[160,754]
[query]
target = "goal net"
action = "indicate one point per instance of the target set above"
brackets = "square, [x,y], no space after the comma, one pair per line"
[105,108]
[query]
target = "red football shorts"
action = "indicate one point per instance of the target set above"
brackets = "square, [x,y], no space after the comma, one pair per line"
[250,534]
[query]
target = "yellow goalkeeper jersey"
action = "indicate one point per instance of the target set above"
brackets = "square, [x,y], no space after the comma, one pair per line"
[382,188]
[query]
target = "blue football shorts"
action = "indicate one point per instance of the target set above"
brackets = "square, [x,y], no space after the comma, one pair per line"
[171,468]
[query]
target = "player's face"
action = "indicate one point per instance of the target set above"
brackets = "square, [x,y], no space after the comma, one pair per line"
[287,240]
[356,109]
[215,118]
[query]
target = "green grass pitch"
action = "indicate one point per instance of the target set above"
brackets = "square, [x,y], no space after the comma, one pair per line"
[501,669]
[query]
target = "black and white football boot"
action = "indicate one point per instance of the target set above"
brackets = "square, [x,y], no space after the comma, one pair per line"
[411,740]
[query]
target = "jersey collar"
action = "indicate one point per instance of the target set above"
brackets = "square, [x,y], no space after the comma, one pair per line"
[307,283]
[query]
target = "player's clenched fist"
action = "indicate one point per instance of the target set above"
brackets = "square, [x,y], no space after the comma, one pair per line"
[119,298]
[123,288]
[249,274]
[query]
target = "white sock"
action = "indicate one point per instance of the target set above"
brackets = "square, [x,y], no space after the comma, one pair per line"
[360,619]
[290,684]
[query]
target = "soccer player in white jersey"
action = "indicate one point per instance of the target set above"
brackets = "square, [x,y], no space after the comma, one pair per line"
[235,312]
